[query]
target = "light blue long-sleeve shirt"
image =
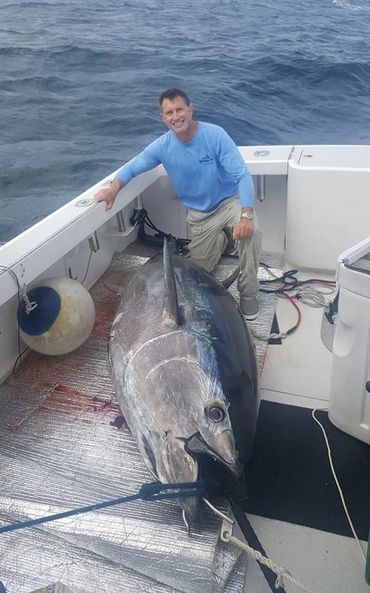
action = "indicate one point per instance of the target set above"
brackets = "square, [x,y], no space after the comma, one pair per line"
[204,171]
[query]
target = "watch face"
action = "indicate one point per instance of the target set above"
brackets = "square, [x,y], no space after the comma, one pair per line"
[247,215]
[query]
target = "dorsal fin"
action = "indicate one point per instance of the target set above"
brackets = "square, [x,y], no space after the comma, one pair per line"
[171,305]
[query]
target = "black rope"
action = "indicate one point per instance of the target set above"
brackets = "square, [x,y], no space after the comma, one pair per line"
[231,279]
[150,492]
[252,539]
[288,282]
[140,218]
[88,266]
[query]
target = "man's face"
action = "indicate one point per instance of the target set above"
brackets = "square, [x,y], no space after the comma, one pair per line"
[177,115]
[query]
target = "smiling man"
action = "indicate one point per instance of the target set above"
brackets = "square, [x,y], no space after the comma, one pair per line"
[212,180]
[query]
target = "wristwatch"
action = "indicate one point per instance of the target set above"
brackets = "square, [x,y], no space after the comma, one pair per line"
[248,215]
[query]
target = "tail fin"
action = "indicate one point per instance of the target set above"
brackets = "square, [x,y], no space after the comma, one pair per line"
[171,309]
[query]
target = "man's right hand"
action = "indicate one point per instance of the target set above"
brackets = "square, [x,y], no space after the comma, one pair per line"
[109,194]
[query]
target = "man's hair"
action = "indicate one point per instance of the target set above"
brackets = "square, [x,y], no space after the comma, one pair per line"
[171,94]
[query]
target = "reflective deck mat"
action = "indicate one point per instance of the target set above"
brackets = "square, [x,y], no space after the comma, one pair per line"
[61,447]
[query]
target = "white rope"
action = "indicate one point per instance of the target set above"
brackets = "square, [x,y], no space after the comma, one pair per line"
[309,295]
[312,296]
[281,572]
[267,337]
[337,483]
[30,305]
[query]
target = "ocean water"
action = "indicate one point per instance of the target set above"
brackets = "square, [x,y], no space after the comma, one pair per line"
[80,80]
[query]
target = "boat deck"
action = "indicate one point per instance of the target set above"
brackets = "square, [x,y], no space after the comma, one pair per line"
[294,373]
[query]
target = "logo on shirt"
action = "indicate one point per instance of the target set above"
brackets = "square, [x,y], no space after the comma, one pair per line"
[206,159]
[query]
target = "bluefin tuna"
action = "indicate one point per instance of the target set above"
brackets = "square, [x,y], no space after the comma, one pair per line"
[185,373]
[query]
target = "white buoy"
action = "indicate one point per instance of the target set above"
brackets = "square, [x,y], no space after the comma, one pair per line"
[62,320]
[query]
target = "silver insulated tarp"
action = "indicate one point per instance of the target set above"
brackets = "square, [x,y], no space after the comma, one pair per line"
[63,446]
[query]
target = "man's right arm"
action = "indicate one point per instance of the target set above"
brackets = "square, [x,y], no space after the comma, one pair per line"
[144,161]
[109,194]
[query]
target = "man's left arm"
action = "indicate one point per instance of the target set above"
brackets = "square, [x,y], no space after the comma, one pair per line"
[233,163]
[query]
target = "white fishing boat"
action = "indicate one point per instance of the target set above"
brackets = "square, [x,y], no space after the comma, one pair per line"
[61,446]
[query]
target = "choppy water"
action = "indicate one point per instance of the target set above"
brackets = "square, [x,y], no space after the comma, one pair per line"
[79,81]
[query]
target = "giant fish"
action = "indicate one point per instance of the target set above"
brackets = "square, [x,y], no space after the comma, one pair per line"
[184,370]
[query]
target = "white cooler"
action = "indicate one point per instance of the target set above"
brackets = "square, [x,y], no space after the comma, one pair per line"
[349,403]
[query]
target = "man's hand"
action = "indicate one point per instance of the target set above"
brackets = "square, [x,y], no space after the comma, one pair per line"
[243,229]
[109,194]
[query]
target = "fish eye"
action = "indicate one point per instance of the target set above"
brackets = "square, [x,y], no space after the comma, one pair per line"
[216,413]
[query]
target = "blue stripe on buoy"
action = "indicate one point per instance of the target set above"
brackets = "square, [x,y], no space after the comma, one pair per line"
[40,319]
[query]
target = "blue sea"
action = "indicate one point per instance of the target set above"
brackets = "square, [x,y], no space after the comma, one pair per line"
[80,80]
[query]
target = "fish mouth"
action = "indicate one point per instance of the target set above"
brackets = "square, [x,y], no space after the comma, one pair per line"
[226,453]
[223,473]
[175,464]
[186,459]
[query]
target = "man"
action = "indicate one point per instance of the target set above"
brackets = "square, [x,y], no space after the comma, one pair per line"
[212,180]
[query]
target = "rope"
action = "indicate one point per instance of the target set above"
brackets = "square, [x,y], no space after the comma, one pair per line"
[306,294]
[266,338]
[140,218]
[30,305]
[337,483]
[251,538]
[281,335]
[281,572]
[18,362]
[149,492]
[312,296]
